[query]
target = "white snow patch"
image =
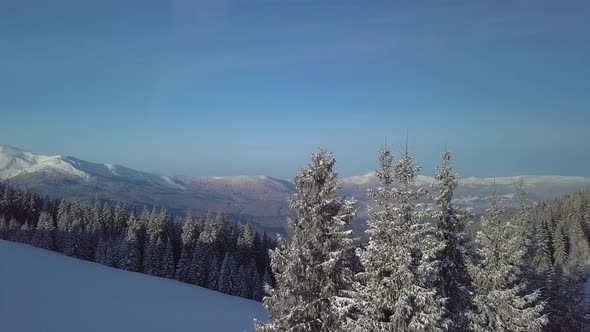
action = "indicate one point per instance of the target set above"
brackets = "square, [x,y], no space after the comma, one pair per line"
[359,180]
[46,291]
[14,162]
[169,181]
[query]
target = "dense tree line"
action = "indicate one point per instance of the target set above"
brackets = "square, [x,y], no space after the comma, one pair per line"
[558,233]
[209,252]
[523,270]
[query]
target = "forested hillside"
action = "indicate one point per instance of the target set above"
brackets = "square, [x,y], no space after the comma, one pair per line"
[559,235]
[209,252]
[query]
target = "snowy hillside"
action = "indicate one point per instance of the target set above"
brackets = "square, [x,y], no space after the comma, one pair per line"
[45,291]
[15,162]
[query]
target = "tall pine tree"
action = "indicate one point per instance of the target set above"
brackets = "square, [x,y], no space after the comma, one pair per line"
[311,277]
[453,281]
[501,300]
[396,290]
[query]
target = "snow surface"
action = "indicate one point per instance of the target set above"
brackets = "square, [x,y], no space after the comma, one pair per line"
[45,291]
[14,161]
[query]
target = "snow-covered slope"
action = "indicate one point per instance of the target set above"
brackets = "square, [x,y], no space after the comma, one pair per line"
[42,291]
[14,162]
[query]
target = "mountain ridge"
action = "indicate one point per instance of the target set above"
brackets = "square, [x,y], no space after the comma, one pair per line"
[261,200]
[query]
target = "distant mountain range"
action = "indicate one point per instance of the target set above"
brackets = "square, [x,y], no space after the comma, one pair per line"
[261,200]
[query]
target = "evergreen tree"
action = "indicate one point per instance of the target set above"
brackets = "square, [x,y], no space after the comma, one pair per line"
[568,309]
[579,251]
[73,238]
[188,238]
[184,265]
[396,292]
[3,228]
[63,226]
[245,244]
[267,280]
[101,255]
[13,227]
[243,283]
[560,253]
[23,234]
[132,260]
[257,288]
[501,299]
[43,237]
[213,276]
[311,275]
[168,261]
[453,278]
[198,270]
[228,275]
[152,260]
[120,218]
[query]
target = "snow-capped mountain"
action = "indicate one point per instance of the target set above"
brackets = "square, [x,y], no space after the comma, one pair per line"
[475,193]
[261,200]
[15,162]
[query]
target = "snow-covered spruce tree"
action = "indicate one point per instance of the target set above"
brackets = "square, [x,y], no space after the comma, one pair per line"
[199,265]
[92,234]
[245,244]
[453,281]
[184,265]
[3,228]
[168,261]
[569,309]
[189,238]
[73,239]
[63,226]
[560,255]
[13,227]
[23,234]
[131,260]
[501,301]
[120,218]
[312,282]
[243,286]
[267,280]
[396,291]
[228,276]
[189,234]
[101,252]
[213,275]
[43,237]
[152,260]
[257,290]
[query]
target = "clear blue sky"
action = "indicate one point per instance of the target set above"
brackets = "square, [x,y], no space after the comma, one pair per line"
[252,87]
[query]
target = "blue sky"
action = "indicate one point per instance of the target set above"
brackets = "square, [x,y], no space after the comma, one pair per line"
[252,87]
